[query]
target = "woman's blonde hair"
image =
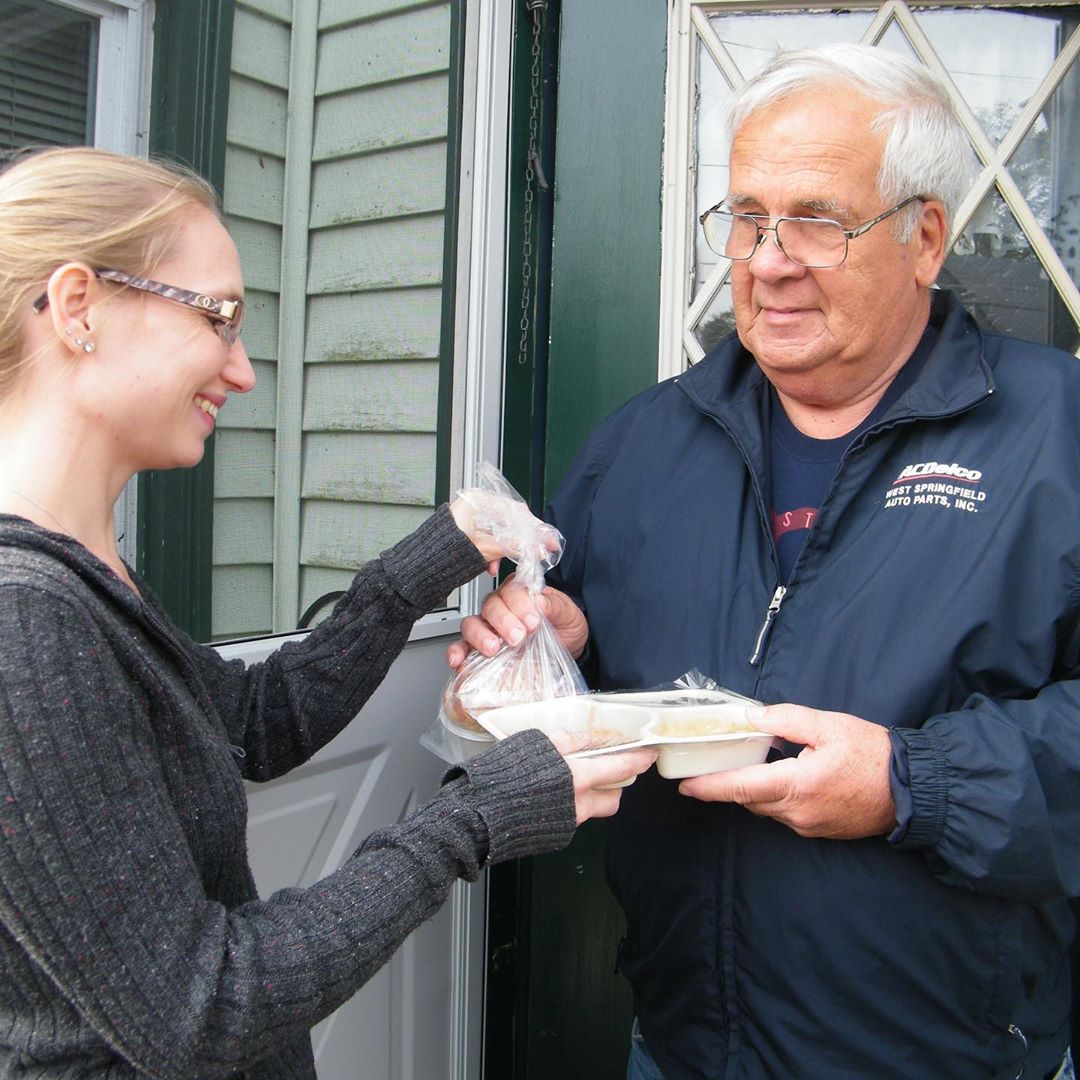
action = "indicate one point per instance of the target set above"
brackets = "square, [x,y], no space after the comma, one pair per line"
[81,204]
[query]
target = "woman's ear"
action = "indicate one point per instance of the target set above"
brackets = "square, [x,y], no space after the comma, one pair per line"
[72,290]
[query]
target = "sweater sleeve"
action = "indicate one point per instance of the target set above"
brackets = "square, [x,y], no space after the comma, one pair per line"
[102,903]
[283,710]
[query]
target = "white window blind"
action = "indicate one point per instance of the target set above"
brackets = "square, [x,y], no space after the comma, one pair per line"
[47,74]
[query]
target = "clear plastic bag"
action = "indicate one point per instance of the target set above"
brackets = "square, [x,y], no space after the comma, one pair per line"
[690,689]
[539,667]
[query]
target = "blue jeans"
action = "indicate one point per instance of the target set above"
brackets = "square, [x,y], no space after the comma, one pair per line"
[642,1066]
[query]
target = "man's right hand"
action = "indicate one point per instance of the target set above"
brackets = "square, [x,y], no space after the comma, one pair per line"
[510,613]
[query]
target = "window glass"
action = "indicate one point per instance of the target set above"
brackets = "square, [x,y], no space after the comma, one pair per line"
[47,74]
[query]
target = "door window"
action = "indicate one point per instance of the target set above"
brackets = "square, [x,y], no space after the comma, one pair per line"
[1014,254]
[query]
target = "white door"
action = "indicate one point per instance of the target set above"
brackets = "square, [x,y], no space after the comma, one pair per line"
[419,1018]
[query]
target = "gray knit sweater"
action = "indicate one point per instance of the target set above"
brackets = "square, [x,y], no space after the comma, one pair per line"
[132,941]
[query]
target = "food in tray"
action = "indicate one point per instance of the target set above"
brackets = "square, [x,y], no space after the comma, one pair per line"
[675,728]
[603,737]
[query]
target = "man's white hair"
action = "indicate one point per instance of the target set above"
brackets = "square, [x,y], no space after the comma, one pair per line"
[926,152]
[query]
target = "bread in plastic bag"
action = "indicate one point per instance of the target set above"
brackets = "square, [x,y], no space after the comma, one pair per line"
[539,667]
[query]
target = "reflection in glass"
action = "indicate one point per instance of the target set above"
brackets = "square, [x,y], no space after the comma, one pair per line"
[998,276]
[711,152]
[996,58]
[1046,169]
[752,39]
[716,321]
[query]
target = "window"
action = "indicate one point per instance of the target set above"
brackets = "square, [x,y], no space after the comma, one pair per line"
[46,75]
[1015,249]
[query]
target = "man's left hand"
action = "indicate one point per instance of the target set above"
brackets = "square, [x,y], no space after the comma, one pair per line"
[837,787]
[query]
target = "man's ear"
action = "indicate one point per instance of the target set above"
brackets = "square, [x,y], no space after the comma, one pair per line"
[72,290]
[931,236]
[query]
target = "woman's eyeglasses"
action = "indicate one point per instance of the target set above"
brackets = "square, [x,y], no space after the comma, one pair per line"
[226,315]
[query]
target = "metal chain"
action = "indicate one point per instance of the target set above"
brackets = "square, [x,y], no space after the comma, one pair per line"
[533,172]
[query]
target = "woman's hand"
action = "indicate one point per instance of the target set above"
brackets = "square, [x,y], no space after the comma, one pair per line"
[510,613]
[596,780]
[499,526]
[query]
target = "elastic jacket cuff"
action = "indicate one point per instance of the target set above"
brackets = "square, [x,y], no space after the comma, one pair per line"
[919,775]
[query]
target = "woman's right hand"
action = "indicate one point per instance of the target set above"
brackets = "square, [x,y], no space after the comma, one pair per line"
[598,780]
[510,612]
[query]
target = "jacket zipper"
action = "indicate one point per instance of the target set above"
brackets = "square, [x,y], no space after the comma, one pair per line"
[882,425]
[766,626]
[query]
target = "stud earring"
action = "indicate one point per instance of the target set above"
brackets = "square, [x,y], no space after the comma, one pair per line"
[89,347]
[78,341]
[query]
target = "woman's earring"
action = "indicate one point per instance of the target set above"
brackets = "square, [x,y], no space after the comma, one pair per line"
[87,346]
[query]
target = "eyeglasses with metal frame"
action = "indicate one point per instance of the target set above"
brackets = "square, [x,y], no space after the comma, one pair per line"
[816,243]
[226,316]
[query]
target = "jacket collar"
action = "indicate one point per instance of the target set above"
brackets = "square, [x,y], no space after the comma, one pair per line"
[729,386]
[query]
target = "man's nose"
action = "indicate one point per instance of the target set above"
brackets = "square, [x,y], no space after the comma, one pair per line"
[769,261]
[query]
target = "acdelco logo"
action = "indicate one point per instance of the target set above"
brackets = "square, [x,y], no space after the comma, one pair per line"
[937,468]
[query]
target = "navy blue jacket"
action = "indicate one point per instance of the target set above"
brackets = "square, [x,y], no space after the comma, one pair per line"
[938,594]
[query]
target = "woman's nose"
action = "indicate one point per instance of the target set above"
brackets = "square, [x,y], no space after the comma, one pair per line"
[239,373]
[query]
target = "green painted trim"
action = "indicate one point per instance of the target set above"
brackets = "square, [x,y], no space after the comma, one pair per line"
[525,375]
[188,114]
[604,333]
[448,316]
[506,1011]
[605,294]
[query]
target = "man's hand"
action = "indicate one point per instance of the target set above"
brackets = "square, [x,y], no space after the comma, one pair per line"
[510,613]
[838,786]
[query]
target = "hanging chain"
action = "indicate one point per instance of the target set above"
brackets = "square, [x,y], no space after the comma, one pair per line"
[533,172]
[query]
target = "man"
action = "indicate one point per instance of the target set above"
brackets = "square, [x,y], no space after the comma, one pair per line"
[865,508]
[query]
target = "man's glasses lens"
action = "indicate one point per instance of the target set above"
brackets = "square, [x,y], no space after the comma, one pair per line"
[813,242]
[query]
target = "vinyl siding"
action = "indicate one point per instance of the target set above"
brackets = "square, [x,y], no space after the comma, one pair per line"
[372,286]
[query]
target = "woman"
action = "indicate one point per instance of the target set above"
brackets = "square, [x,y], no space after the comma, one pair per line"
[132,941]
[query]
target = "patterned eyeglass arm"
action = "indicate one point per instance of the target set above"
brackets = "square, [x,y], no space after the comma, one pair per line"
[224,309]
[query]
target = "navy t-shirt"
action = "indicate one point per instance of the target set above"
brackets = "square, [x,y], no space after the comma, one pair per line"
[801,468]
